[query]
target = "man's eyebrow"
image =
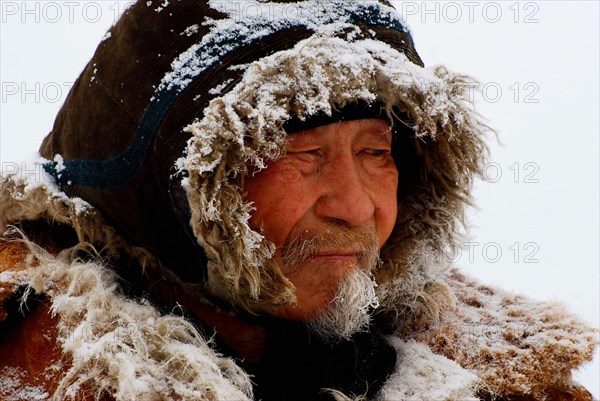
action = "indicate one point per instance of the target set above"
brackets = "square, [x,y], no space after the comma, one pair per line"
[385,133]
[301,136]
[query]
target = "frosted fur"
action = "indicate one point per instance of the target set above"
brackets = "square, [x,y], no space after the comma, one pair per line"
[116,345]
[84,296]
[422,375]
[125,348]
[26,196]
[515,345]
[245,128]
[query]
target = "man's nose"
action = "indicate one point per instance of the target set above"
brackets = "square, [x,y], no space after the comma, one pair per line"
[343,195]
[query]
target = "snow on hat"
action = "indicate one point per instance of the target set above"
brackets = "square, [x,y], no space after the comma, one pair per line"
[184,96]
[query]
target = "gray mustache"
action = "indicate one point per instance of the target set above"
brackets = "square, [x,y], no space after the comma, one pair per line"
[332,238]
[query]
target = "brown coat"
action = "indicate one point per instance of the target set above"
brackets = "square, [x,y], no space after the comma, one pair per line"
[123,114]
[31,355]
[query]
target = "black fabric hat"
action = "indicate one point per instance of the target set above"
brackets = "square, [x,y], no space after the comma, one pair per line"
[353,111]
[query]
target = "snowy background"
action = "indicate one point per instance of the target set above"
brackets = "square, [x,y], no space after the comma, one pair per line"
[536,230]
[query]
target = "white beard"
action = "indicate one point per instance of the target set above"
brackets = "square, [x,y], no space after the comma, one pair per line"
[349,311]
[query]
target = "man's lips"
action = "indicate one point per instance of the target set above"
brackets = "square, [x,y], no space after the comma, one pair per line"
[336,256]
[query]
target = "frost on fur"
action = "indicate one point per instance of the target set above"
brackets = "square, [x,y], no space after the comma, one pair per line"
[27,197]
[422,375]
[514,344]
[115,345]
[243,130]
[125,348]
[29,193]
[325,18]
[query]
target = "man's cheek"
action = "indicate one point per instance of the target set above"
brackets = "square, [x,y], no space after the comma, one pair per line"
[284,214]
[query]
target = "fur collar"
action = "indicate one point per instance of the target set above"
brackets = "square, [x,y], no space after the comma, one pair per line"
[490,341]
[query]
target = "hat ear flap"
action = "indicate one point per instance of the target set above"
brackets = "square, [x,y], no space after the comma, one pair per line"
[197,271]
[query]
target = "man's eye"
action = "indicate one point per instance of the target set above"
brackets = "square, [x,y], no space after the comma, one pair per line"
[306,153]
[377,152]
[316,152]
[307,161]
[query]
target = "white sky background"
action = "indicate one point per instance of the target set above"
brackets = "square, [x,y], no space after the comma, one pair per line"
[538,63]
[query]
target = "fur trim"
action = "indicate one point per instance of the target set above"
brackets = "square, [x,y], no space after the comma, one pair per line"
[36,197]
[125,348]
[515,345]
[26,197]
[244,128]
[112,341]
[423,375]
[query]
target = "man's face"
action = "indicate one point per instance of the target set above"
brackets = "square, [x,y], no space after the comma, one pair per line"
[327,205]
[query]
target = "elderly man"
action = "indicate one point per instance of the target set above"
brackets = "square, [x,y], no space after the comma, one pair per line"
[254,200]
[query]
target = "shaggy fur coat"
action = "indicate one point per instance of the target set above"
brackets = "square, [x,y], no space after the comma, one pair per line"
[140,183]
[79,337]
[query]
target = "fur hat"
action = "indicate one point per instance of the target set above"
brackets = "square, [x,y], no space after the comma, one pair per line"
[182,98]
